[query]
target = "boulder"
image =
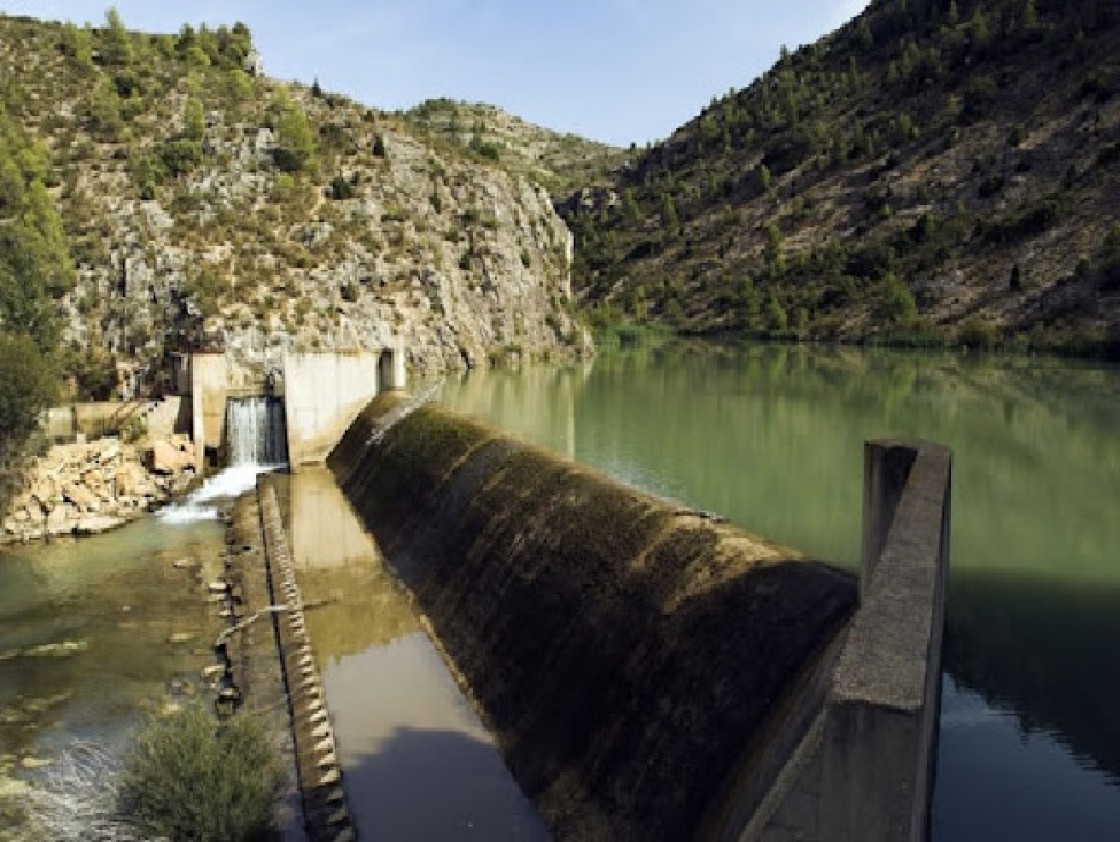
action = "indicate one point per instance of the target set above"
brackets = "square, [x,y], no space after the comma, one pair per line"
[96,523]
[59,520]
[80,495]
[131,480]
[164,458]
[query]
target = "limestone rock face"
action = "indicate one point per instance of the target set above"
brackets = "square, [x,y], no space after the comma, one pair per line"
[387,234]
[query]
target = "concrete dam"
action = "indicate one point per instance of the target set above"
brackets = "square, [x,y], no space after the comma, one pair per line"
[649,672]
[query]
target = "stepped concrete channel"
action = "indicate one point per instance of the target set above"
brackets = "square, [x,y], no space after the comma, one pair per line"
[646,671]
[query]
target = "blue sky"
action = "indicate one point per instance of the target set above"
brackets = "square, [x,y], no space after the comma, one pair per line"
[612,70]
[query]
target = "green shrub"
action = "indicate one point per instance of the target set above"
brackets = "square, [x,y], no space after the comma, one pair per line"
[341,189]
[977,333]
[179,157]
[191,777]
[27,386]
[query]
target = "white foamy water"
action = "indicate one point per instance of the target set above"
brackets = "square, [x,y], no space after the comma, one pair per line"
[231,482]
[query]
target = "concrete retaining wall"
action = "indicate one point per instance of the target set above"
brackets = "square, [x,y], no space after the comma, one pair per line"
[632,658]
[865,770]
[160,418]
[322,394]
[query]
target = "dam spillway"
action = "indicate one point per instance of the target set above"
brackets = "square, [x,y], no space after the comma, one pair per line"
[256,431]
[632,659]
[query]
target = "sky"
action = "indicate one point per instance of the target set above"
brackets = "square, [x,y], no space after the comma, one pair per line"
[617,71]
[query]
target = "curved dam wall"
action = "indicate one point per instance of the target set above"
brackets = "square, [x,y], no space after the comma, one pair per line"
[634,660]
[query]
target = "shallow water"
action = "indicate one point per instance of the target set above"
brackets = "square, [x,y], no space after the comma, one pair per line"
[772,438]
[84,628]
[416,761]
[85,642]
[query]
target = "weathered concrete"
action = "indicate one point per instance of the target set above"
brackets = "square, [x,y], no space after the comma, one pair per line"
[864,771]
[209,388]
[630,657]
[326,816]
[158,418]
[322,394]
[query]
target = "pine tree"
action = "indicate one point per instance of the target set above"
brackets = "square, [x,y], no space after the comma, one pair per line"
[194,122]
[116,48]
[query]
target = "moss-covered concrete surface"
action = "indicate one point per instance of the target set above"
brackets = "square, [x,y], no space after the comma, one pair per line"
[628,655]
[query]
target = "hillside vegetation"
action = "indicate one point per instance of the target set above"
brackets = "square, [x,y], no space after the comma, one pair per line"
[35,271]
[934,170]
[205,205]
[561,162]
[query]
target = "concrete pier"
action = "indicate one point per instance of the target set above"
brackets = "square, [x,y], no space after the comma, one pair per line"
[864,770]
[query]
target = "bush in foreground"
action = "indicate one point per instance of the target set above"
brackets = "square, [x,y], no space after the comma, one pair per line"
[190,777]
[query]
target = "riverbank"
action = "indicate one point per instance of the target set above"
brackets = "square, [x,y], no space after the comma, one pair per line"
[969,337]
[89,487]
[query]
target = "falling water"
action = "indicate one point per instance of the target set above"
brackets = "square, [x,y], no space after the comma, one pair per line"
[256,442]
[255,431]
[403,410]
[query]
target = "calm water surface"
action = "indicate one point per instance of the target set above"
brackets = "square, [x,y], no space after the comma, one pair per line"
[772,437]
[416,761]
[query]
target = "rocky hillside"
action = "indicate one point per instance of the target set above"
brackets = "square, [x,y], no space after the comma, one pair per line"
[205,204]
[935,169]
[561,162]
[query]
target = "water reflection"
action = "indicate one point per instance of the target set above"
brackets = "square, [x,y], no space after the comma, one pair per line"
[772,437]
[1047,654]
[417,762]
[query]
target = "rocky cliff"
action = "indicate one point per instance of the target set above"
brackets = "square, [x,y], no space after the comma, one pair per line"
[206,204]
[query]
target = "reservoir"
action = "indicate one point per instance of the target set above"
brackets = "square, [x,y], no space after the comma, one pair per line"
[772,438]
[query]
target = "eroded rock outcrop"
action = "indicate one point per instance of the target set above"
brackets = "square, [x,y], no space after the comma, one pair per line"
[84,488]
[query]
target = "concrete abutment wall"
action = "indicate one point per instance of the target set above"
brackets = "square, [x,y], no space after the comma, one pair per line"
[865,770]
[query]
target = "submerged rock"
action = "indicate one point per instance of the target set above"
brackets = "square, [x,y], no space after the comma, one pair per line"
[12,787]
[56,650]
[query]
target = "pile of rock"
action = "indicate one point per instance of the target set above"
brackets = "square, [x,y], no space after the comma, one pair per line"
[85,488]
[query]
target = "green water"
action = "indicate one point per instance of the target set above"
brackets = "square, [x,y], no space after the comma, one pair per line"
[84,638]
[772,438]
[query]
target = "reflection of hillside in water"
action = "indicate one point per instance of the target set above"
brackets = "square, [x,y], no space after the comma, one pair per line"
[773,438]
[337,562]
[1046,653]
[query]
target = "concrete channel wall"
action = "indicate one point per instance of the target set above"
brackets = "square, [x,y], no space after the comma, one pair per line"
[864,770]
[630,656]
[322,394]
